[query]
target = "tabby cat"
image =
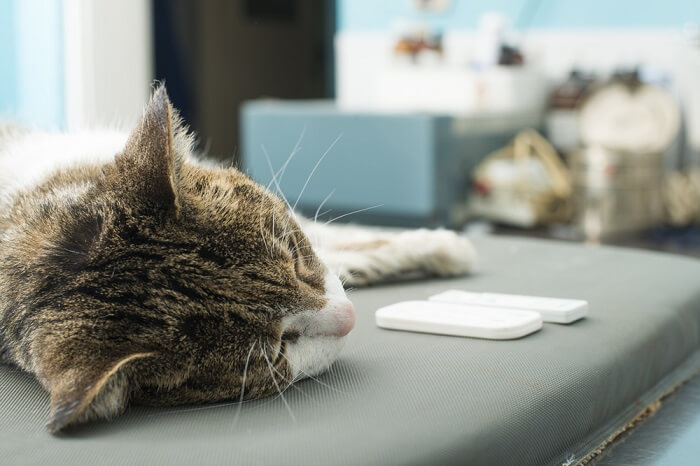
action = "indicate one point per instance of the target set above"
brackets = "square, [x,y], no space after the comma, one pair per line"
[129,272]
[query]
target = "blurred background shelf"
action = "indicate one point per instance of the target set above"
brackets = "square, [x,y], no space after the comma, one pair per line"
[420,92]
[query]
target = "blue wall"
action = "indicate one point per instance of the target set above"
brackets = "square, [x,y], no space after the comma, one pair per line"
[8,59]
[374,15]
[31,62]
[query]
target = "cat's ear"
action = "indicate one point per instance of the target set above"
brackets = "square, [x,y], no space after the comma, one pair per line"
[149,165]
[99,393]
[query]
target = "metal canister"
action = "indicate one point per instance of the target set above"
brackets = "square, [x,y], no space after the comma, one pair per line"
[615,192]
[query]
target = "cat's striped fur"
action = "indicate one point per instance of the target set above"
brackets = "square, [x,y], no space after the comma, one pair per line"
[147,277]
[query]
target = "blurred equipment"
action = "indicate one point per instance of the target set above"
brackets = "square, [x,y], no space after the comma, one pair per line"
[561,120]
[630,116]
[682,198]
[626,127]
[432,6]
[424,72]
[616,192]
[418,45]
[524,184]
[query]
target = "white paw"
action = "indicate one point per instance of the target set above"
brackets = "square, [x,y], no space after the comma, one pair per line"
[441,252]
[417,253]
[355,269]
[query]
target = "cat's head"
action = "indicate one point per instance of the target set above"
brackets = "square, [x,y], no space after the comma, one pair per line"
[172,284]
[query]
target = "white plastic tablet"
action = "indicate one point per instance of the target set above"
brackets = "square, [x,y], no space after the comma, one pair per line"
[559,311]
[458,319]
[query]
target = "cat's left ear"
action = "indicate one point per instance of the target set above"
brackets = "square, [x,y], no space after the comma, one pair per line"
[149,166]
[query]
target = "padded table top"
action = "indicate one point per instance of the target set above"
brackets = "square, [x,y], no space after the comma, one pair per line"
[407,398]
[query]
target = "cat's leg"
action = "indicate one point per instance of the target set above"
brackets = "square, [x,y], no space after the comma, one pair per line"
[363,256]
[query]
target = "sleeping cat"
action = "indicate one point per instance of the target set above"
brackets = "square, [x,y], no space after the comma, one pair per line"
[131,273]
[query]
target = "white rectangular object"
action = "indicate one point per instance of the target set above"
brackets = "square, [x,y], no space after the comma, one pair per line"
[458,89]
[560,311]
[458,319]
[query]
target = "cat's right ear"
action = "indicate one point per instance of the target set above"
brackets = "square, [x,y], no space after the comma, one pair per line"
[148,167]
[98,391]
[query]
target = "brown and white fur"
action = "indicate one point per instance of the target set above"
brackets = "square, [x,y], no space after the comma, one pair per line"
[131,272]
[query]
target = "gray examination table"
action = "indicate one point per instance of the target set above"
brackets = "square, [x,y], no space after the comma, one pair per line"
[404,398]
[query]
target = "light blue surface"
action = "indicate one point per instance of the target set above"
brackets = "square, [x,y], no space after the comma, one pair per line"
[414,166]
[369,15]
[373,154]
[31,63]
[684,449]
[8,61]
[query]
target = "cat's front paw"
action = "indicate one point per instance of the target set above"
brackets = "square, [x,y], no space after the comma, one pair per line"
[360,270]
[441,252]
[417,253]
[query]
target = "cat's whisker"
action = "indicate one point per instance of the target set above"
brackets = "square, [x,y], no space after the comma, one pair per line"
[274,381]
[309,376]
[307,256]
[277,176]
[245,375]
[274,175]
[295,250]
[322,204]
[297,148]
[274,179]
[322,383]
[262,234]
[289,233]
[267,188]
[201,408]
[284,229]
[313,170]
[291,383]
[353,213]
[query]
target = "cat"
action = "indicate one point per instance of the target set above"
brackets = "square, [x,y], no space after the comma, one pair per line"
[131,272]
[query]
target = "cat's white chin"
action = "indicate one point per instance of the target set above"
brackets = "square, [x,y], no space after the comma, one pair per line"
[310,356]
[321,332]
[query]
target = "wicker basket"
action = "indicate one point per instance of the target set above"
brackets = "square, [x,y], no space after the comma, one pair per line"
[527,200]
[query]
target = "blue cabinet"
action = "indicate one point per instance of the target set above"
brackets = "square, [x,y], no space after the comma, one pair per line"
[414,167]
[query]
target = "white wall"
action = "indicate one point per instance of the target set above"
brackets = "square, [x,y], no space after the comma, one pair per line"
[108,61]
[361,55]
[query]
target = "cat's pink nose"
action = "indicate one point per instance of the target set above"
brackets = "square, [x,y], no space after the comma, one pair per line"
[346,318]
